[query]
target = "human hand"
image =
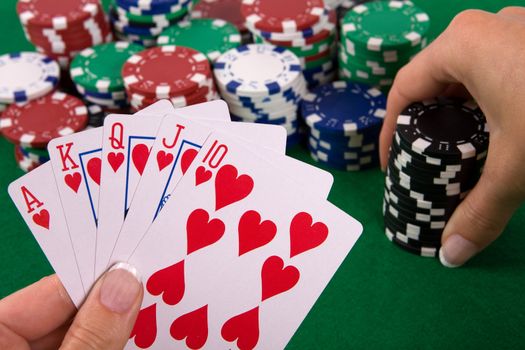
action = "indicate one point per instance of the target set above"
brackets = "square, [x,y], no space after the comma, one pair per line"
[42,316]
[480,54]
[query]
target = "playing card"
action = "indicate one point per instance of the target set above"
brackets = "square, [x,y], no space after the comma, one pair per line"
[76,162]
[126,147]
[36,198]
[239,254]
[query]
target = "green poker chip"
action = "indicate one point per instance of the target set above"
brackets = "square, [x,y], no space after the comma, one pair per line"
[212,37]
[386,25]
[153,19]
[304,51]
[98,68]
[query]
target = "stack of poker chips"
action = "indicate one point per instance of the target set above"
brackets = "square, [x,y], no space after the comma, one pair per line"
[180,74]
[262,84]
[31,125]
[95,72]
[437,156]
[141,22]
[61,29]
[344,121]
[228,10]
[306,28]
[212,37]
[378,38]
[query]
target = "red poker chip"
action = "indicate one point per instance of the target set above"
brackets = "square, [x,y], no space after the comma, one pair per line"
[56,14]
[319,56]
[25,163]
[72,33]
[288,17]
[322,35]
[228,10]
[166,71]
[37,122]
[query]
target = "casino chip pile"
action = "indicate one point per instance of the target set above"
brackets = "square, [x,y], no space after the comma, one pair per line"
[437,156]
[31,125]
[344,121]
[180,74]
[213,37]
[347,5]
[378,38]
[141,22]
[306,28]
[61,29]
[262,84]
[96,72]
[228,10]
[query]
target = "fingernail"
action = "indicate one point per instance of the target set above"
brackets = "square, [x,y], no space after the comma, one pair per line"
[120,288]
[456,251]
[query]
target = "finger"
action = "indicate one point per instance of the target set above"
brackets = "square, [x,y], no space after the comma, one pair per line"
[52,340]
[483,215]
[424,77]
[37,309]
[11,340]
[515,12]
[107,317]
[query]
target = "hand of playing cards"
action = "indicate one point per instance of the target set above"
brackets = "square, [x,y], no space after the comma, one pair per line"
[234,240]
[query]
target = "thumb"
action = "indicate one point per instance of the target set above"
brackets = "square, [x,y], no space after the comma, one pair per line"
[478,220]
[106,318]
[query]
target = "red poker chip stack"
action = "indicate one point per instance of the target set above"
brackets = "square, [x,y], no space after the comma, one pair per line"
[61,29]
[228,10]
[177,73]
[307,28]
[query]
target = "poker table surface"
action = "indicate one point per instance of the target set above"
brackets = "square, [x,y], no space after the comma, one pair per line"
[381,297]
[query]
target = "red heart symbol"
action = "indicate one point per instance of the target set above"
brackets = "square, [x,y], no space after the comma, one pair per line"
[42,218]
[73,181]
[164,159]
[187,158]
[145,328]
[202,175]
[276,278]
[229,188]
[201,232]
[244,328]
[115,160]
[139,155]
[253,233]
[169,282]
[193,327]
[304,235]
[93,169]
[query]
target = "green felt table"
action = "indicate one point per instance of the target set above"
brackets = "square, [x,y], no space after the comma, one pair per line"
[381,297]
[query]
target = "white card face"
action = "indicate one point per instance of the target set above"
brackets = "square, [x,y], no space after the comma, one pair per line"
[76,167]
[233,251]
[213,110]
[76,162]
[126,146]
[36,198]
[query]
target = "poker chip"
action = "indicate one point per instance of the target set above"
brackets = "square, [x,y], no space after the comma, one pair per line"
[141,22]
[37,122]
[436,158]
[63,29]
[344,120]
[212,37]
[269,95]
[295,27]
[228,10]
[180,74]
[378,38]
[26,75]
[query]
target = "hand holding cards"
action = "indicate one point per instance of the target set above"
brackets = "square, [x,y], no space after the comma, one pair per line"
[232,250]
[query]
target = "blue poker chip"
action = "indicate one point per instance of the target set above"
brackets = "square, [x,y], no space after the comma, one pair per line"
[154,6]
[344,108]
[33,156]
[116,95]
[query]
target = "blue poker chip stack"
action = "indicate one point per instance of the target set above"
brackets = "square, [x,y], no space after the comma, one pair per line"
[344,121]
[142,21]
[262,84]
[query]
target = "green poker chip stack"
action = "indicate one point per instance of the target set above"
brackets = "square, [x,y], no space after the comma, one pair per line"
[96,73]
[378,38]
[212,37]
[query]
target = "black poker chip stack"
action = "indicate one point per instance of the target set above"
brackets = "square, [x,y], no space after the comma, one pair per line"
[436,158]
